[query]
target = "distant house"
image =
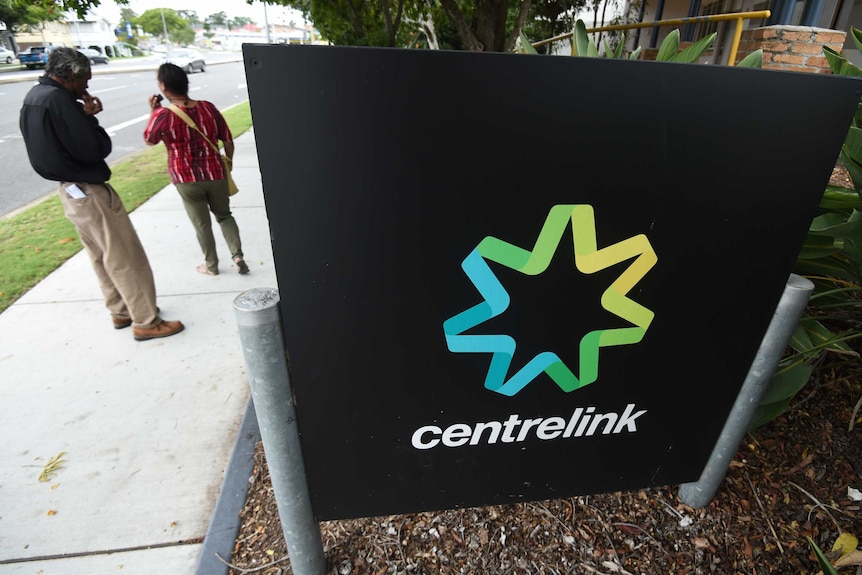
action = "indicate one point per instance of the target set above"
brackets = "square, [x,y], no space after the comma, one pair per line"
[97,34]
[45,34]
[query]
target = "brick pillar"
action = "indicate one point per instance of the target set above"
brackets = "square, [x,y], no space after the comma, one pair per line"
[792,48]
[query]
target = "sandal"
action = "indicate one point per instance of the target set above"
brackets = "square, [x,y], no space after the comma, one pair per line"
[242,267]
[202,269]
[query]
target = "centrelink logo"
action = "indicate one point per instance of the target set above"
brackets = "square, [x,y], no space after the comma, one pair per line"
[583,422]
[588,260]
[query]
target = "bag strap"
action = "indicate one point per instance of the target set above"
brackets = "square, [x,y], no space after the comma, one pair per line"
[185,117]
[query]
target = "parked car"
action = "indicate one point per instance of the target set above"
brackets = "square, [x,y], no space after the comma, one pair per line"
[187,59]
[95,56]
[6,55]
[35,57]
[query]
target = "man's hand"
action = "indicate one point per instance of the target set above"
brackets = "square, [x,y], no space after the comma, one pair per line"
[92,105]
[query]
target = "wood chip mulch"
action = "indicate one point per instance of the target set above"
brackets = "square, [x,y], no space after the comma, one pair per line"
[792,478]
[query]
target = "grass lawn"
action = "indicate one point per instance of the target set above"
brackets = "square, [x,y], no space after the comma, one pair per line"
[37,241]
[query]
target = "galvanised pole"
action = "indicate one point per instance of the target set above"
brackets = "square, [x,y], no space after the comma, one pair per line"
[259,321]
[781,328]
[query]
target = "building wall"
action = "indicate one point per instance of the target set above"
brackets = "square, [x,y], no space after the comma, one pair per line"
[96,34]
[51,33]
[792,48]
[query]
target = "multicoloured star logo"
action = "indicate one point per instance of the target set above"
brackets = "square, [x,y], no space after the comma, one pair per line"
[588,259]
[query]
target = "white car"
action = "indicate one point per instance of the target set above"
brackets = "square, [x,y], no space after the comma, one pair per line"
[187,59]
[6,55]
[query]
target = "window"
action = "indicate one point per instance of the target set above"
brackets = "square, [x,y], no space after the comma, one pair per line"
[706,28]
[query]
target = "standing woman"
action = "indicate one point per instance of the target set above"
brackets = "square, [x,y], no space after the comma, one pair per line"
[194,166]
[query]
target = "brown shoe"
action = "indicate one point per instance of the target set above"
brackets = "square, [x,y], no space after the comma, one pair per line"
[164,329]
[123,322]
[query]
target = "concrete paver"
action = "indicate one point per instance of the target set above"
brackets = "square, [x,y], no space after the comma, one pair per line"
[147,427]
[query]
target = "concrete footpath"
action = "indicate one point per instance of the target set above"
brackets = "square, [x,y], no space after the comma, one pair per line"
[146,428]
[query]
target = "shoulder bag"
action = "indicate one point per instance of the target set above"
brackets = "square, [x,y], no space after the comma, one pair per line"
[227,162]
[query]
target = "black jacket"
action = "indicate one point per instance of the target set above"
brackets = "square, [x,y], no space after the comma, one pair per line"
[62,142]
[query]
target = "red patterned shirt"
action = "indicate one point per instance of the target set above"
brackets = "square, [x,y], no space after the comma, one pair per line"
[190,157]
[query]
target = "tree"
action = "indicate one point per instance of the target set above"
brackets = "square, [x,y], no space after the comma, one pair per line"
[179,30]
[551,18]
[189,16]
[127,15]
[217,19]
[241,21]
[359,22]
[489,25]
[22,15]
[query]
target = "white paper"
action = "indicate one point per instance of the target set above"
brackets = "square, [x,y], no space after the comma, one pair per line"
[75,192]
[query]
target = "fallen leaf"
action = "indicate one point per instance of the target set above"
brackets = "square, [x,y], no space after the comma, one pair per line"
[52,512]
[52,467]
[749,552]
[846,543]
[65,240]
[701,543]
[802,464]
[854,558]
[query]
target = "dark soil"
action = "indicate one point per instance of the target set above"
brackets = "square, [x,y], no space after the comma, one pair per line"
[793,478]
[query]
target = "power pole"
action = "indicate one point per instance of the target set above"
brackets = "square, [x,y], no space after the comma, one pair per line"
[164,27]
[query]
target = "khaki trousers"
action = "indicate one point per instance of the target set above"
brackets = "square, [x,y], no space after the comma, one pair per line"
[200,198]
[116,253]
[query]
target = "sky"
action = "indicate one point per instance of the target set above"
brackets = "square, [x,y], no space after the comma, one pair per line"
[233,8]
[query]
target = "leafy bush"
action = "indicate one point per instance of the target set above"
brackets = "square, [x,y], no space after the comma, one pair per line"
[832,259]
[668,51]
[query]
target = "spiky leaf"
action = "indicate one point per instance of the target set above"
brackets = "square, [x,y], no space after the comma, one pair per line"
[583,45]
[839,63]
[824,563]
[787,383]
[753,60]
[766,412]
[669,47]
[695,51]
[526,45]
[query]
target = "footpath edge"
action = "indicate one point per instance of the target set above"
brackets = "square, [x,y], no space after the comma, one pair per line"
[225,522]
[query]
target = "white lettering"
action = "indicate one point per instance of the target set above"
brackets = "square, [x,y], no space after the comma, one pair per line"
[551,428]
[457,435]
[584,422]
[510,426]
[417,437]
[628,420]
[611,418]
[528,424]
[570,429]
[494,426]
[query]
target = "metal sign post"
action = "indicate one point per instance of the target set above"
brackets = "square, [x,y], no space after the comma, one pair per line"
[259,321]
[784,322]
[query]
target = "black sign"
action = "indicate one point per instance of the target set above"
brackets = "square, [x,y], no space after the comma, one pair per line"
[508,277]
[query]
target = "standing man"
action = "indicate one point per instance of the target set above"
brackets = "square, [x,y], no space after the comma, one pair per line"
[66,144]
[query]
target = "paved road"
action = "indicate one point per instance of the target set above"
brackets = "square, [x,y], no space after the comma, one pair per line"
[123,86]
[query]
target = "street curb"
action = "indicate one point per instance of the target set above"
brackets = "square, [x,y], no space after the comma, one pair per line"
[225,522]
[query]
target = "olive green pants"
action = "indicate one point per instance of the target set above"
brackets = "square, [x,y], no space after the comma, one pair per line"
[201,198]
